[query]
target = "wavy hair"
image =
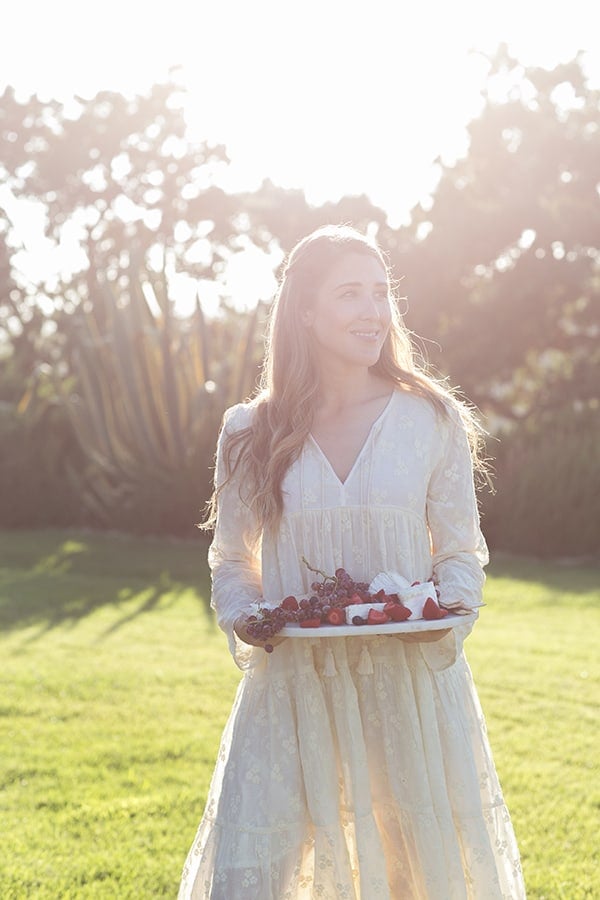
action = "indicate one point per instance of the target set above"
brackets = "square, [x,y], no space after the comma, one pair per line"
[284,405]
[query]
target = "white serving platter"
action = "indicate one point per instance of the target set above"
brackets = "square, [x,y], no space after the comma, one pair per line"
[406,627]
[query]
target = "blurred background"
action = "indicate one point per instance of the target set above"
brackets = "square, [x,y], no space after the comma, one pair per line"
[159,160]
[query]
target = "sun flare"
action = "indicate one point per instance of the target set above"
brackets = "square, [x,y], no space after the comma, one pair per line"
[330,98]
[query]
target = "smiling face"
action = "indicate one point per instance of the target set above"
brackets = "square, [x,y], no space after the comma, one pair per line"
[350,316]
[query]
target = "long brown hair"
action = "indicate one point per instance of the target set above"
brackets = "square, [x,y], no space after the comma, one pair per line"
[284,406]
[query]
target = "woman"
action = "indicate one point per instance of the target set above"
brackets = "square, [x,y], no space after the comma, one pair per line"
[350,767]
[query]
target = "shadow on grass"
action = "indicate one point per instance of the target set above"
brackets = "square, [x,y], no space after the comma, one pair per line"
[56,578]
[52,578]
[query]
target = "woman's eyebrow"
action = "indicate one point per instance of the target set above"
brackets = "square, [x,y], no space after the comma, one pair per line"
[348,284]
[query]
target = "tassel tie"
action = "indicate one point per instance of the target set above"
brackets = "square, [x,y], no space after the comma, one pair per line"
[329,669]
[365,663]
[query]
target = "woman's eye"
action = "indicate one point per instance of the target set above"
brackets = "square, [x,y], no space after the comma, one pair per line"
[353,294]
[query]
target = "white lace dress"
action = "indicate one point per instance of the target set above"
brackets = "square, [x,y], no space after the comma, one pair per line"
[356,767]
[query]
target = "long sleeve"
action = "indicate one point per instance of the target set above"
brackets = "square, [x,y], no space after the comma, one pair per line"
[459,551]
[233,556]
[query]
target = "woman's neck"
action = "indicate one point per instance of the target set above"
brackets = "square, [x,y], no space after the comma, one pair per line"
[340,391]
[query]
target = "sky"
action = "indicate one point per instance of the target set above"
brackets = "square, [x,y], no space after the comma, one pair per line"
[332,97]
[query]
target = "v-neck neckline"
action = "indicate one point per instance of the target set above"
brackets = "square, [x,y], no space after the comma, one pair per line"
[362,450]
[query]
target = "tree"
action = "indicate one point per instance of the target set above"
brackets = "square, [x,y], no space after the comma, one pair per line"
[503,268]
[146,403]
[281,216]
[117,177]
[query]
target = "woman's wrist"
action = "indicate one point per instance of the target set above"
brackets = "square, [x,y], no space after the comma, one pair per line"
[239,628]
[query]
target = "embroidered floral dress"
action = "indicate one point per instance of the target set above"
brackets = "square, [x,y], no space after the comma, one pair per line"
[359,767]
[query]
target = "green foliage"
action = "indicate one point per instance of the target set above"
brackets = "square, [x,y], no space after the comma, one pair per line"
[152,389]
[548,488]
[122,168]
[35,489]
[116,684]
[502,267]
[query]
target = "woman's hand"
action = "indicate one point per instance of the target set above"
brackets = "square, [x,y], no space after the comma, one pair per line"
[418,637]
[239,626]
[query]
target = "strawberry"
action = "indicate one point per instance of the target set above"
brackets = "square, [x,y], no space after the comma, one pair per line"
[354,599]
[432,611]
[380,596]
[310,623]
[290,603]
[397,612]
[336,616]
[377,617]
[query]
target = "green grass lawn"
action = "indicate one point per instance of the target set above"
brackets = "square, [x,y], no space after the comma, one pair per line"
[115,685]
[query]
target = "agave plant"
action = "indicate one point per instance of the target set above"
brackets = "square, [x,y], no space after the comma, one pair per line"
[151,390]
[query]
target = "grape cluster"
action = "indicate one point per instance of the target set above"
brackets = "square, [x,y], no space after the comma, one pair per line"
[267,625]
[333,592]
[340,590]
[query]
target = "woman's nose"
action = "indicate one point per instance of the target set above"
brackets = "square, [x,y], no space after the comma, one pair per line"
[370,307]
